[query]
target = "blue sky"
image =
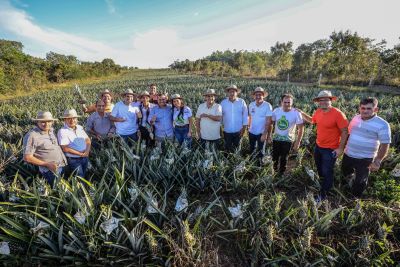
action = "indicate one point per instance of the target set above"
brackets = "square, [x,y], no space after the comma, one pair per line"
[154,33]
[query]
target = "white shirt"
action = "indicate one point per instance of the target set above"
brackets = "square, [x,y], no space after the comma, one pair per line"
[75,139]
[209,129]
[184,118]
[258,116]
[285,124]
[130,125]
[234,115]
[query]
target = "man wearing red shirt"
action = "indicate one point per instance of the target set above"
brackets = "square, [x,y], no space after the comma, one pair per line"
[332,135]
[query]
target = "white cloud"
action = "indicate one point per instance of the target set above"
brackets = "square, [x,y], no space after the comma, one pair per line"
[159,47]
[111,6]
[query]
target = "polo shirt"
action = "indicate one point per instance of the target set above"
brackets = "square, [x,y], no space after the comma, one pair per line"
[163,124]
[258,116]
[43,146]
[209,129]
[366,136]
[75,139]
[234,115]
[101,125]
[128,112]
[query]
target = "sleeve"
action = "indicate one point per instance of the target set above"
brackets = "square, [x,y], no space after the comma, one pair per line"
[314,117]
[299,118]
[84,134]
[269,111]
[151,114]
[341,120]
[89,123]
[62,138]
[189,112]
[114,111]
[245,114]
[219,110]
[274,115]
[29,147]
[384,134]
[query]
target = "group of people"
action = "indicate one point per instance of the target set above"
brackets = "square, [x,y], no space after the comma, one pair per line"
[153,118]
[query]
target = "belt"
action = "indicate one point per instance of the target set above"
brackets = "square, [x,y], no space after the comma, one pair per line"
[183,126]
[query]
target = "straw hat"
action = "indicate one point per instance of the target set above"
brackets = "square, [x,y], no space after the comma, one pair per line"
[128,92]
[260,90]
[105,92]
[232,86]
[324,94]
[209,92]
[44,116]
[176,96]
[144,93]
[70,113]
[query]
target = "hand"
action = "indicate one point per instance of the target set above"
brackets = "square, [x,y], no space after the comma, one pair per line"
[203,115]
[189,134]
[139,115]
[374,166]
[242,131]
[52,166]
[110,135]
[153,119]
[296,147]
[263,137]
[85,154]
[337,152]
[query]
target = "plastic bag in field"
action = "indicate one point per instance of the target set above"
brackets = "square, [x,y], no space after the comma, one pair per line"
[396,171]
[185,151]
[80,217]
[236,211]
[207,164]
[109,225]
[4,248]
[182,202]
[133,192]
[152,204]
[40,227]
[13,197]
[266,159]
[155,154]
[169,161]
[241,167]
[310,173]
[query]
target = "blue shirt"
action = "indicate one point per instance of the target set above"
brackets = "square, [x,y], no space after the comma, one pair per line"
[234,115]
[163,124]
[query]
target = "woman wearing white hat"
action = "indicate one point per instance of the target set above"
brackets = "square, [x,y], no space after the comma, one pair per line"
[74,142]
[182,120]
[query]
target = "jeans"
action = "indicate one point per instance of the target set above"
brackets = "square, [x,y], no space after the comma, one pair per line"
[50,176]
[360,167]
[128,139]
[325,161]
[232,141]
[181,135]
[255,144]
[78,165]
[280,154]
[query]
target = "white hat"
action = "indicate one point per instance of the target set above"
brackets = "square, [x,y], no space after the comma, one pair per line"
[128,92]
[232,86]
[324,94]
[70,113]
[176,96]
[44,116]
[260,90]
[210,92]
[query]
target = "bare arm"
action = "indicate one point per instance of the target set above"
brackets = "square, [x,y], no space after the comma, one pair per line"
[69,150]
[306,117]
[268,122]
[198,127]
[343,139]
[300,132]
[35,161]
[381,155]
[116,119]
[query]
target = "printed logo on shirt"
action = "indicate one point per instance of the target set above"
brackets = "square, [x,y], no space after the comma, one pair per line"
[283,123]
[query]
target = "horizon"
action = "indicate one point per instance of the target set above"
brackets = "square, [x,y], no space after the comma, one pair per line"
[153,34]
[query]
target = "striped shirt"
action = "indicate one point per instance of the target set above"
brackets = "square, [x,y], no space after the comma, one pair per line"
[366,136]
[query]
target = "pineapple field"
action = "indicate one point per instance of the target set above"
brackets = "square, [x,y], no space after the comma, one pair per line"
[181,207]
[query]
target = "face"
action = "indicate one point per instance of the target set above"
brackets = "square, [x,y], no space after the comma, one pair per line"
[324,102]
[287,103]
[177,102]
[145,99]
[232,94]
[106,98]
[153,89]
[45,125]
[210,99]
[259,96]
[128,98]
[162,101]
[71,122]
[368,110]
[100,106]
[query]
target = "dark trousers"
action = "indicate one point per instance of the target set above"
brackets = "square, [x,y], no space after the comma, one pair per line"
[145,136]
[325,161]
[78,165]
[181,135]
[360,167]
[255,144]
[50,176]
[129,139]
[212,144]
[280,154]
[232,141]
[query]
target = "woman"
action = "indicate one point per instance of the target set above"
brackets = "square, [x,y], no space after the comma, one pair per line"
[182,120]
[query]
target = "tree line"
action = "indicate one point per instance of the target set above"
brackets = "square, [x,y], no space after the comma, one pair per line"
[343,58]
[22,72]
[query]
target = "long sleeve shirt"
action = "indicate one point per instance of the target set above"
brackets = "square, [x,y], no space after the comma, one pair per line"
[163,123]
[234,115]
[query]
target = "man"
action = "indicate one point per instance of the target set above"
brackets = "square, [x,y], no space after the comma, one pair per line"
[153,93]
[74,142]
[40,148]
[368,144]
[106,97]
[98,125]
[160,118]
[234,118]
[208,120]
[331,138]
[286,119]
[146,131]
[260,113]
[125,116]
